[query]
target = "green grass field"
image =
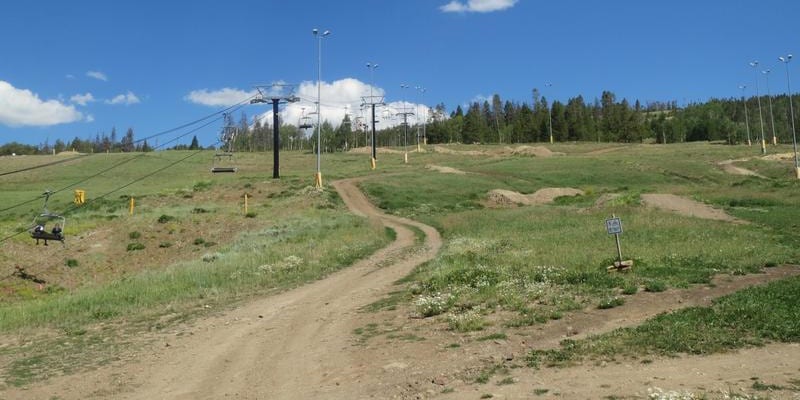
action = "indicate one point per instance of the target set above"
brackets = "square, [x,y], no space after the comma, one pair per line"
[536,262]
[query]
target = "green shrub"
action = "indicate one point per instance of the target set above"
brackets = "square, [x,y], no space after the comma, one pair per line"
[250,214]
[199,241]
[655,286]
[611,303]
[135,246]
[163,219]
[134,235]
[71,262]
[202,185]
[630,289]
[467,322]
[165,245]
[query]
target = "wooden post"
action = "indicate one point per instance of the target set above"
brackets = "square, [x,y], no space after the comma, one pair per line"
[245,204]
[130,211]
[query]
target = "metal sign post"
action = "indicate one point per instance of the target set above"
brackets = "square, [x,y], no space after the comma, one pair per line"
[614,227]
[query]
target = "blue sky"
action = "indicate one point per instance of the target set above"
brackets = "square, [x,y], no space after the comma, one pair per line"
[77,68]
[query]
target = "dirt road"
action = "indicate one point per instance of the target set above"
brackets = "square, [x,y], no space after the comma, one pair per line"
[294,345]
[302,344]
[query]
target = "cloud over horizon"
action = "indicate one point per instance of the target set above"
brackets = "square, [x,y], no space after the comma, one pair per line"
[338,97]
[21,107]
[97,75]
[224,97]
[126,99]
[82,99]
[479,6]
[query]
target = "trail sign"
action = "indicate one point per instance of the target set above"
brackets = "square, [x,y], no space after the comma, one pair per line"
[613,226]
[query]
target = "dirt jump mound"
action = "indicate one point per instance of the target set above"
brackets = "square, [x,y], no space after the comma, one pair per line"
[535,151]
[445,170]
[501,197]
[684,206]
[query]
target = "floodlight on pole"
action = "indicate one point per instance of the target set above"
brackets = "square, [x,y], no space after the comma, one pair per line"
[746,118]
[550,114]
[766,73]
[422,91]
[785,60]
[405,115]
[318,176]
[754,64]
[373,103]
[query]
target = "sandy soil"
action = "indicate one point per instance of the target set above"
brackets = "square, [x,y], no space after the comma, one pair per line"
[502,197]
[445,170]
[729,167]
[688,207]
[523,150]
[368,150]
[302,344]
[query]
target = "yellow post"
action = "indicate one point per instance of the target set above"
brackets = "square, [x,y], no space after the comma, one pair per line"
[372,163]
[318,180]
[245,204]
[80,197]
[405,157]
[130,211]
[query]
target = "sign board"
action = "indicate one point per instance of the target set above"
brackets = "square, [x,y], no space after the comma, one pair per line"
[613,226]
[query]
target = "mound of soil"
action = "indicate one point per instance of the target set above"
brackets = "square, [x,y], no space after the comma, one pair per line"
[368,150]
[445,150]
[501,197]
[536,151]
[684,206]
[729,168]
[445,170]
[779,157]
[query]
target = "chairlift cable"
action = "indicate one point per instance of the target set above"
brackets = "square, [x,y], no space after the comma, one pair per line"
[164,132]
[231,108]
[73,208]
[41,165]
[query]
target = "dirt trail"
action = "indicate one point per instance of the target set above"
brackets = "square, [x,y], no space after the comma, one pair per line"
[294,345]
[732,169]
[301,345]
[688,207]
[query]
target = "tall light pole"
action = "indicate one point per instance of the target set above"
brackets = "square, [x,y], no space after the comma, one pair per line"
[785,61]
[319,36]
[550,114]
[766,73]
[754,64]
[746,118]
[373,103]
[422,91]
[405,115]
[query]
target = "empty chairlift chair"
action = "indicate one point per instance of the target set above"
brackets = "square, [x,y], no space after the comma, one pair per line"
[223,160]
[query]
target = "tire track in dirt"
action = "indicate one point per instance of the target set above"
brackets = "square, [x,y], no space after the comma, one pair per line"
[294,345]
[297,344]
[300,344]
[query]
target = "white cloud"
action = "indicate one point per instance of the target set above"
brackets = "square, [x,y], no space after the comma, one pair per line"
[218,98]
[70,76]
[126,99]
[480,6]
[345,95]
[97,75]
[82,99]
[21,107]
